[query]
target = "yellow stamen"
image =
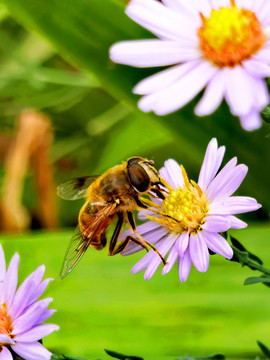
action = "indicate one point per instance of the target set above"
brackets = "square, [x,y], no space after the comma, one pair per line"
[230,35]
[5,322]
[183,209]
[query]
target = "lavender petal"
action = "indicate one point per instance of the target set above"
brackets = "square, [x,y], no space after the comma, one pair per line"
[199,252]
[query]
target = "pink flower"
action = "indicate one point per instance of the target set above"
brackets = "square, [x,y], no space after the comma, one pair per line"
[21,314]
[220,45]
[193,214]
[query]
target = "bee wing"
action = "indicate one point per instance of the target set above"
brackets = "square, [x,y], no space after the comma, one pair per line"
[75,188]
[80,241]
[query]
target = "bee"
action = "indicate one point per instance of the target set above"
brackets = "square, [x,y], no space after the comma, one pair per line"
[113,195]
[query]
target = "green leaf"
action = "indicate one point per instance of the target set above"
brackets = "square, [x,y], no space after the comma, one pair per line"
[120,356]
[264,349]
[210,357]
[256,280]
[242,250]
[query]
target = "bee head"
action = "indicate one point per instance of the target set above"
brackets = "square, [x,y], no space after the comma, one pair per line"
[142,173]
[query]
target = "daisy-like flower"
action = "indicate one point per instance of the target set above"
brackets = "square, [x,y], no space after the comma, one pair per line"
[192,215]
[21,315]
[223,45]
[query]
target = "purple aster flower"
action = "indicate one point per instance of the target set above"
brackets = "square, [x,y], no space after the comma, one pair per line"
[223,45]
[186,225]
[21,315]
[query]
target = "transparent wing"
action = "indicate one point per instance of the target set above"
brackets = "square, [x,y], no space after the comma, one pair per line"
[81,240]
[75,188]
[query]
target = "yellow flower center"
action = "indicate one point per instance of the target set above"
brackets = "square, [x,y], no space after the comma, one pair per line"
[183,209]
[230,35]
[5,322]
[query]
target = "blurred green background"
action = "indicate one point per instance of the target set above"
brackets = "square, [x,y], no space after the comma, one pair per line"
[54,58]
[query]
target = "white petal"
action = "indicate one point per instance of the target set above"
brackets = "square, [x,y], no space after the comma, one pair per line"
[161,21]
[180,93]
[184,7]
[213,95]
[163,78]
[149,53]
[257,68]
[262,55]
[251,121]
[239,91]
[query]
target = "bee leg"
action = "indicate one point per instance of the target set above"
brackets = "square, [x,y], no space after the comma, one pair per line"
[139,203]
[116,233]
[125,243]
[144,243]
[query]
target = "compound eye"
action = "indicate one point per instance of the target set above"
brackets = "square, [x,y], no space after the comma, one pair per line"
[138,178]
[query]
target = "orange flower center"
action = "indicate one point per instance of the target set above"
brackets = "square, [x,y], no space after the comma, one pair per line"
[230,35]
[5,322]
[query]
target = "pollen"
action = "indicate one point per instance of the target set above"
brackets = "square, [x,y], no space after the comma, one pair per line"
[5,321]
[183,209]
[230,35]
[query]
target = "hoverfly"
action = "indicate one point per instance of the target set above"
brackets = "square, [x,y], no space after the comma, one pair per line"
[114,194]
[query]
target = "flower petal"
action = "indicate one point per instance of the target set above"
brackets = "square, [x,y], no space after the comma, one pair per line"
[30,317]
[5,354]
[163,79]
[24,295]
[218,244]
[2,266]
[181,92]
[46,315]
[32,351]
[234,205]
[175,173]
[184,266]
[152,237]
[216,223]
[199,252]
[213,95]
[239,91]
[37,333]
[5,339]
[222,187]
[173,255]
[182,243]
[161,21]
[256,68]
[237,223]
[163,247]
[149,53]
[10,281]
[251,121]
[209,162]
